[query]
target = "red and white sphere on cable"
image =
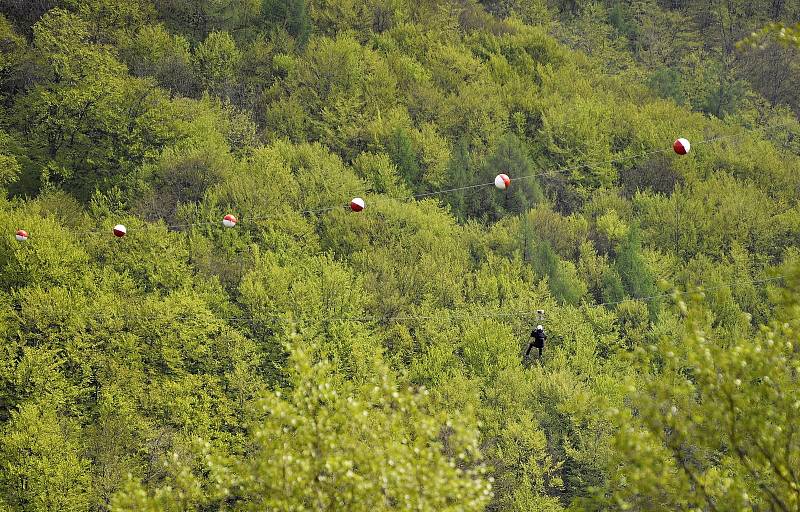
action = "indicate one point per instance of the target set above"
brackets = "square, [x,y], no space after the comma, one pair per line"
[357,204]
[681,146]
[502,181]
[229,221]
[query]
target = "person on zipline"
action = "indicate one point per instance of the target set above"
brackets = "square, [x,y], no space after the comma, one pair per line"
[538,336]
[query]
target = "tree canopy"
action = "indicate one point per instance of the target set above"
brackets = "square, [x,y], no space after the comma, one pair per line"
[315,358]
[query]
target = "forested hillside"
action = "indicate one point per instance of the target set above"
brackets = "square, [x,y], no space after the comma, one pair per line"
[314,357]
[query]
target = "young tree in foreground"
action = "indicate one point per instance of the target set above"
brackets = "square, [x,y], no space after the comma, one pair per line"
[719,423]
[331,443]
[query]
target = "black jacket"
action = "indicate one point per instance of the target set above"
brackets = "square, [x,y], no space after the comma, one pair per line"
[538,338]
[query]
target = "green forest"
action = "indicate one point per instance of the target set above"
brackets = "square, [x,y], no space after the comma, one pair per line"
[318,358]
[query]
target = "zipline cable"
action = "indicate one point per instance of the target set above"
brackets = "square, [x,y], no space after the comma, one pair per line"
[451,314]
[423,195]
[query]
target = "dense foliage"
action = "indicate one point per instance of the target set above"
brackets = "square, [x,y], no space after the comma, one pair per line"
[318,359]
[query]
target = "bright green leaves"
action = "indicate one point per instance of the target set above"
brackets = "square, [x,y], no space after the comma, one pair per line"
[49,256]
[719,420]
[61,38]
[710,216]
[575,133]
[159,355]
[83,125]
[42,466]
[328,443]
[361,447]
[421,154]
[784,34]
[508,157]
[182,176]
[154,52]
[307,290]
[340,86]
[634,271]
[111,20]
[216,60]
[9,166]
[381,173]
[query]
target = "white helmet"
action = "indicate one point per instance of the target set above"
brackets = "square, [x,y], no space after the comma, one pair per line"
[539,327]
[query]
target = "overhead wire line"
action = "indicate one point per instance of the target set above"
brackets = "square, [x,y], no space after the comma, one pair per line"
[449,313]
[591,165]
[458,314]
[471,187]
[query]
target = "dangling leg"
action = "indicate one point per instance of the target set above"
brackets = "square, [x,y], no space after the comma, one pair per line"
[526,360]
